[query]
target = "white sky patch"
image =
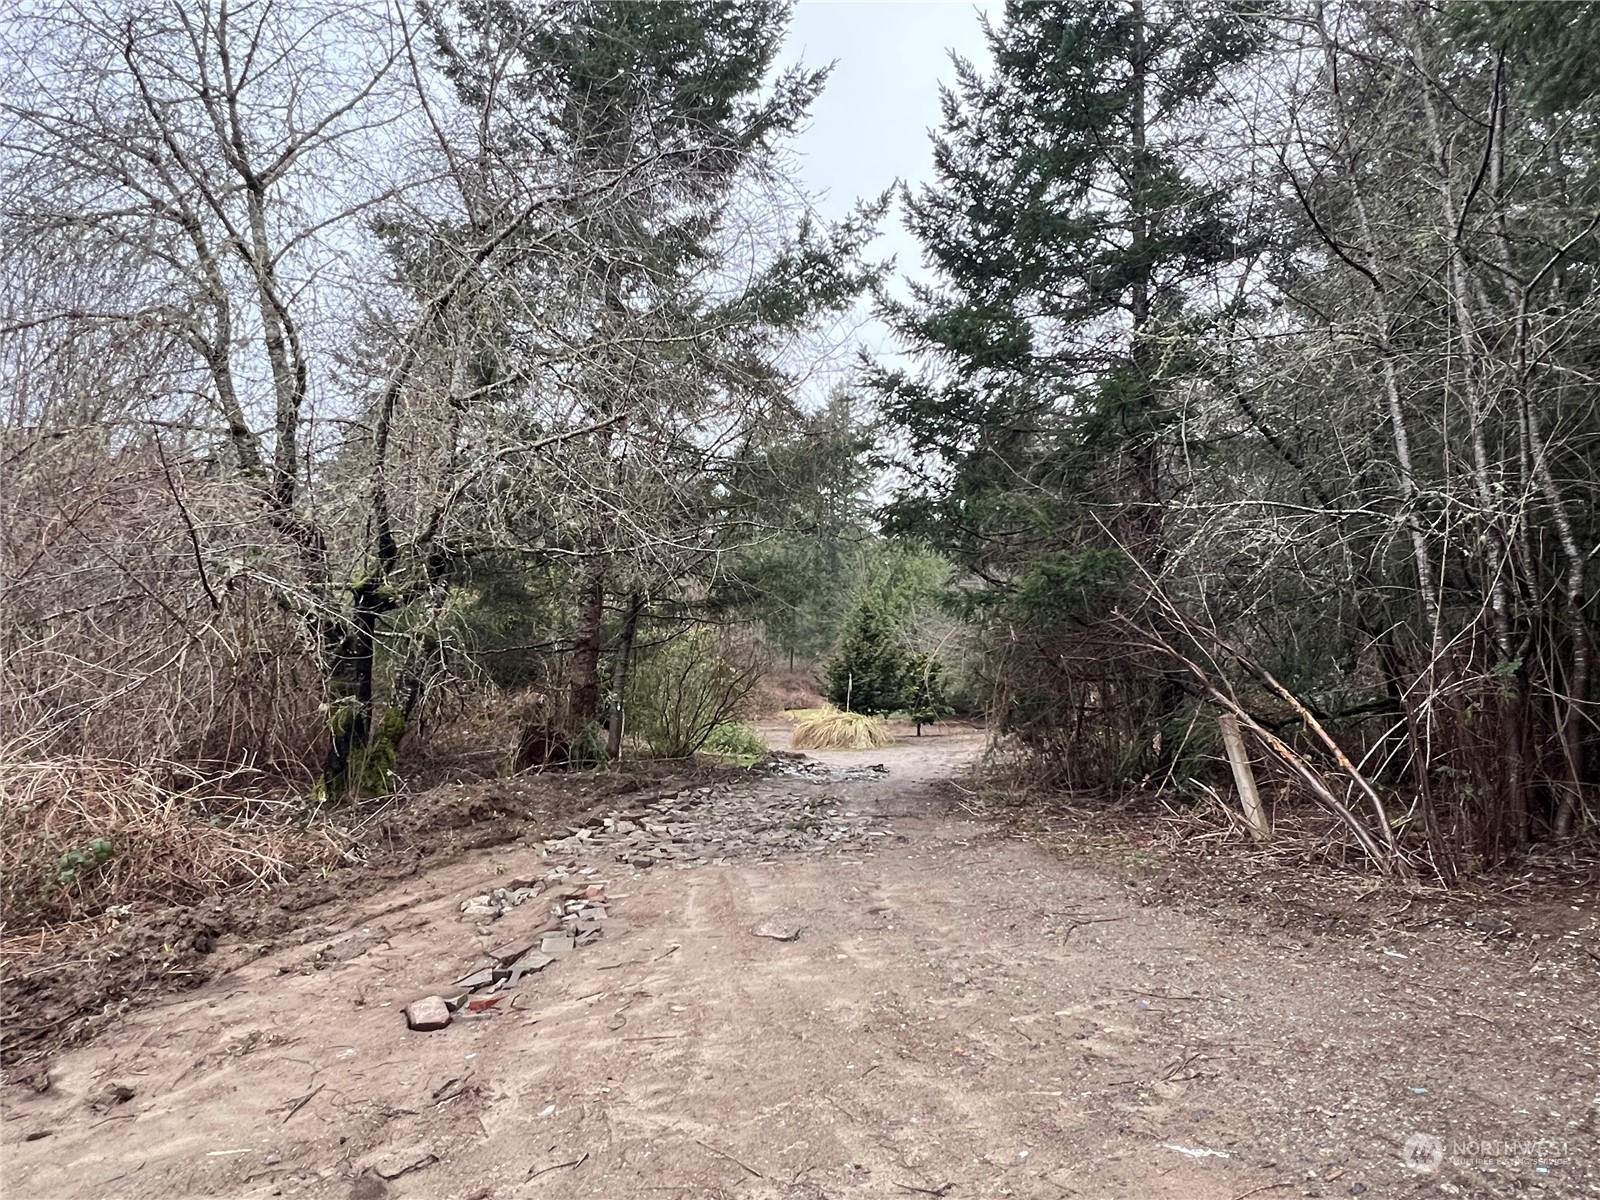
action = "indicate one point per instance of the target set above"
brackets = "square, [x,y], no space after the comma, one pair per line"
[870,127]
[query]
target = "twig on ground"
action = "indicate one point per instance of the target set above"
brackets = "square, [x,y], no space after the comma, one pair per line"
[577,1162]
[730,1158]
[1265,1187]
[297,1105]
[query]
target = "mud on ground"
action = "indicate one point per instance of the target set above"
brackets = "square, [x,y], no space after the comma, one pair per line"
[966,1011]
[65,994]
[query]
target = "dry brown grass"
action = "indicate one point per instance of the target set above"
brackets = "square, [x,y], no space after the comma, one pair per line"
[163,836]
[835,730]
[780,690]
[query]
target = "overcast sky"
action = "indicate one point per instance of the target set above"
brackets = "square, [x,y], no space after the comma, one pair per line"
[870,127]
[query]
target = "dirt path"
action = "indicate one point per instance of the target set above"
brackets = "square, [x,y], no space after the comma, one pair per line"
[962,1015]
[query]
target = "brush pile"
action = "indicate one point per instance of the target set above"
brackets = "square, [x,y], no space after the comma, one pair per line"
[81,836]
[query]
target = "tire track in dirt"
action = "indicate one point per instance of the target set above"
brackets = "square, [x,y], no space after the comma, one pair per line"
[960,1008]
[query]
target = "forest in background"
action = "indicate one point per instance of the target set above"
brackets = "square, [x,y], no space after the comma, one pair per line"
[387,382]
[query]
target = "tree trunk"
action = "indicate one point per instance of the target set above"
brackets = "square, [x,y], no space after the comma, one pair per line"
[1143,425]
[619,675]
[1383,329]
[584,680]
[350,699]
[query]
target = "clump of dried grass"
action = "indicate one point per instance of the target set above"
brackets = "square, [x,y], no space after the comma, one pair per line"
[79,836]
[835,730]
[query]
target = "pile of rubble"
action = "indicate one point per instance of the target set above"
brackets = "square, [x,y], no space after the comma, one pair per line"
[711,825]
[576,918]
[784,764]
[758,818]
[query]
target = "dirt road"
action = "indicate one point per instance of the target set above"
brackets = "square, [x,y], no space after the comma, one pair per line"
[962,1015]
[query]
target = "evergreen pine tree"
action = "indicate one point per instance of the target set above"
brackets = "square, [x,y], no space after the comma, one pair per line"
[925,699]
[1069,233]
[871,672]
[647,117]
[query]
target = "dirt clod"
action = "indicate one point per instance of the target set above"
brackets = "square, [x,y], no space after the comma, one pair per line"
[113,1095]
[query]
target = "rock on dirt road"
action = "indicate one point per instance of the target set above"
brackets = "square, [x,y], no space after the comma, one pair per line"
[830,984]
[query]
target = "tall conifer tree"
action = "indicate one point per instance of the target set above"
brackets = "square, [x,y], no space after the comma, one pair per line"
[1070,234]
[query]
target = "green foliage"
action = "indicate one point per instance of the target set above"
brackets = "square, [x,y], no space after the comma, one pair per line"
[869,673]
[807,484]
[1066,586]
[680,693]
[1555,48]
[35,878]
[1071,231]
[657,112]
[370,770]
[1066,228]
[925,699]
[588,749]
[874,668]
[791,587]
[904,580]
[736,740]
[510,614]
[74,864]
[690,75]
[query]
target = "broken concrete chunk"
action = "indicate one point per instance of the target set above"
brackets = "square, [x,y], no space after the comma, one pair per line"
[477,979]
[516,948]
[532,961]
[498,901]
[722,823]
[526,965]
[428,1014]
[556,943]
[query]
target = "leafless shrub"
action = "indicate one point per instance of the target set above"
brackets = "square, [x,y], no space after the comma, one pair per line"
[79,836]
[683,690]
